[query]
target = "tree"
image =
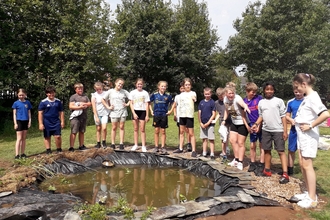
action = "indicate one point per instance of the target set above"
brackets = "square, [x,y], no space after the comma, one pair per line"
[274,41]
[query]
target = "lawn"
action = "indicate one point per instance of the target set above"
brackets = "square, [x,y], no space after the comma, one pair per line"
[35,146]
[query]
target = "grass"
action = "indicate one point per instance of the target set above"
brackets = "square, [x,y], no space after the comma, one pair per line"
[35,146]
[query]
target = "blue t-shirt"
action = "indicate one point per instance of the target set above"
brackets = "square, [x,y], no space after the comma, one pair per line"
[161,103]
[292,108]
[253,106]
[51,113]
[22,109]
[206,108]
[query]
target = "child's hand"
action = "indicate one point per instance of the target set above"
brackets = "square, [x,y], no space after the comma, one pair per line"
[15,126]
[194,98]
[135,116]
[152,113]
[41,127]
[175,118]
[285,136]
[246,109]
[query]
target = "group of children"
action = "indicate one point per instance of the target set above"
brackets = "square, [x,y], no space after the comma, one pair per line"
[264,118]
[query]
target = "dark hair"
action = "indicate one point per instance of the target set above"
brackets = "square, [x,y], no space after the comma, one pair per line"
[304,77]
[50,89]
[268,84]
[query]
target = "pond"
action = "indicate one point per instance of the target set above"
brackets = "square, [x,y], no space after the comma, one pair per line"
[140,185]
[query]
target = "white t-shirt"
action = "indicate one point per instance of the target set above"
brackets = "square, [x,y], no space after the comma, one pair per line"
[234,109]
[186,107]
[100,108]
[139,99]
[118,100]
[177,102]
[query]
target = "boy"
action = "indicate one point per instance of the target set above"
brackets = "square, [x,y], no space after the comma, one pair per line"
[51,119]
[292,108]
[220,108]
[272,115]
[252,101]
[78,123]
[206,114]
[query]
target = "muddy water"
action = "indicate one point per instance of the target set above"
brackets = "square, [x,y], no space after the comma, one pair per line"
[141,186]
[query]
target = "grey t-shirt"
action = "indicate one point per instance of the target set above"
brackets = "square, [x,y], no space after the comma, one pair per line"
[118,100]
[80,98]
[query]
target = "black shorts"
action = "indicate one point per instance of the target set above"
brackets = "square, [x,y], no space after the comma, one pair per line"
[141,114]
[240,129]
[160,121]
[22,125]
[188,122]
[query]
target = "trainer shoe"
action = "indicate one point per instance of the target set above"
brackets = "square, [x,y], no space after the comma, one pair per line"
[134,148]
[212,157]
[233,163]
[82,147]
[239,166]
[284,178]
[266,173]
[17,157]
[121,146]
[58,150]
[189,147]
[301,196]
[252,167]
[155,150]
[193,154]
[113,146]
[224,159]
[163,150]
[178,151]
[104,144]
[48,151]
[144,149]
[23,156]
[307,202]
[71,149]
[98,145]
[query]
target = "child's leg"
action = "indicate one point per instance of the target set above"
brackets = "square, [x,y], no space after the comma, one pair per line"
[19,135]
[182,132]
[253,151]
[156,136]
[143,132]
[284,161]
[98,133]
[211,147]
[204,146]
[310,176]
[81,138]
[47,142]
[262,153]
[268,159]
[23,143]
[121,132]
[192,138]
[72,139]
[291,158]
[113,132]
[58,141]
[233,138]
[241,146]
[136,131]
[104,131]
[188,137]
[163,131]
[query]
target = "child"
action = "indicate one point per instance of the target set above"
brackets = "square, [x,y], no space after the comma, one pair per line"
[186,112]
[291,111]
[22,122]
[206,114]
[220,107]
[311,113]
[117,97]
[51,119]
[239,127]
[101,115]
[272,115]
[252,101]
[78,123]
[177,118]
[160,112]
[140,113]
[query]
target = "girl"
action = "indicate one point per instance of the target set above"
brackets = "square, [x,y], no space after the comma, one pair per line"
[186,112]
[101,114]
[140,112]
[22,121]
[160,112]
[234,106]
[310,114]
[117,97]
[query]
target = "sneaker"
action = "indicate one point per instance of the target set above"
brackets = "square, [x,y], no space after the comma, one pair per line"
[113,146]
[284,179]
[17,157]
[58,150]
[48,151]
[239,166]
[307,202]
[266,173]
[83,147]
[134,148]
[104,144]
[163,150]
[301,196]
[98,145]
[71,149]
[178,151]
[189,147]
[121,146]
[212,157]
[193,154]
[233,163]
[224,159]
[155,150]
[252,167]
[23,156]
[144,149]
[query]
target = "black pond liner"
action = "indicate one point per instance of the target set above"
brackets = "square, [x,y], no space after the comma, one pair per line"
[229,186]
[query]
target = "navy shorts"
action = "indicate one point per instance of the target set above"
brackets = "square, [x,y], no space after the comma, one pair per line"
[56,132]
[188,122]
[160,122]
[22,125]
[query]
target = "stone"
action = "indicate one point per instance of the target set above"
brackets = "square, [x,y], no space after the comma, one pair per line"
[168,212]
[227,198]
[193,207]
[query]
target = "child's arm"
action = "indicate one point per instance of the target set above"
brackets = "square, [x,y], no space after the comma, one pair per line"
[243,105]
[322,117]
[29,113]
[147,111]
[171,110]
[133,111]
[62,119]
[225,116]
[288,118]
[245,121]
[40,120]
[174,109]
[14,119]
[97,120]
[106,104]
[200,120]
[285,131]
[151,110]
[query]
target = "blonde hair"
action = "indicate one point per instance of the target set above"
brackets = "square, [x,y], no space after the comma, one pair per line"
[160,82]
[120,79]
[78,85]
[250,86]
[220,91]
[208,89]
[230,84]
[98,84]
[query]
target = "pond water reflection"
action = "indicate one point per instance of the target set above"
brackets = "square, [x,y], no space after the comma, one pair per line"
[141,186]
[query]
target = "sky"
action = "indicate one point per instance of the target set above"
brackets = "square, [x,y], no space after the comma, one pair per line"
[222,14]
